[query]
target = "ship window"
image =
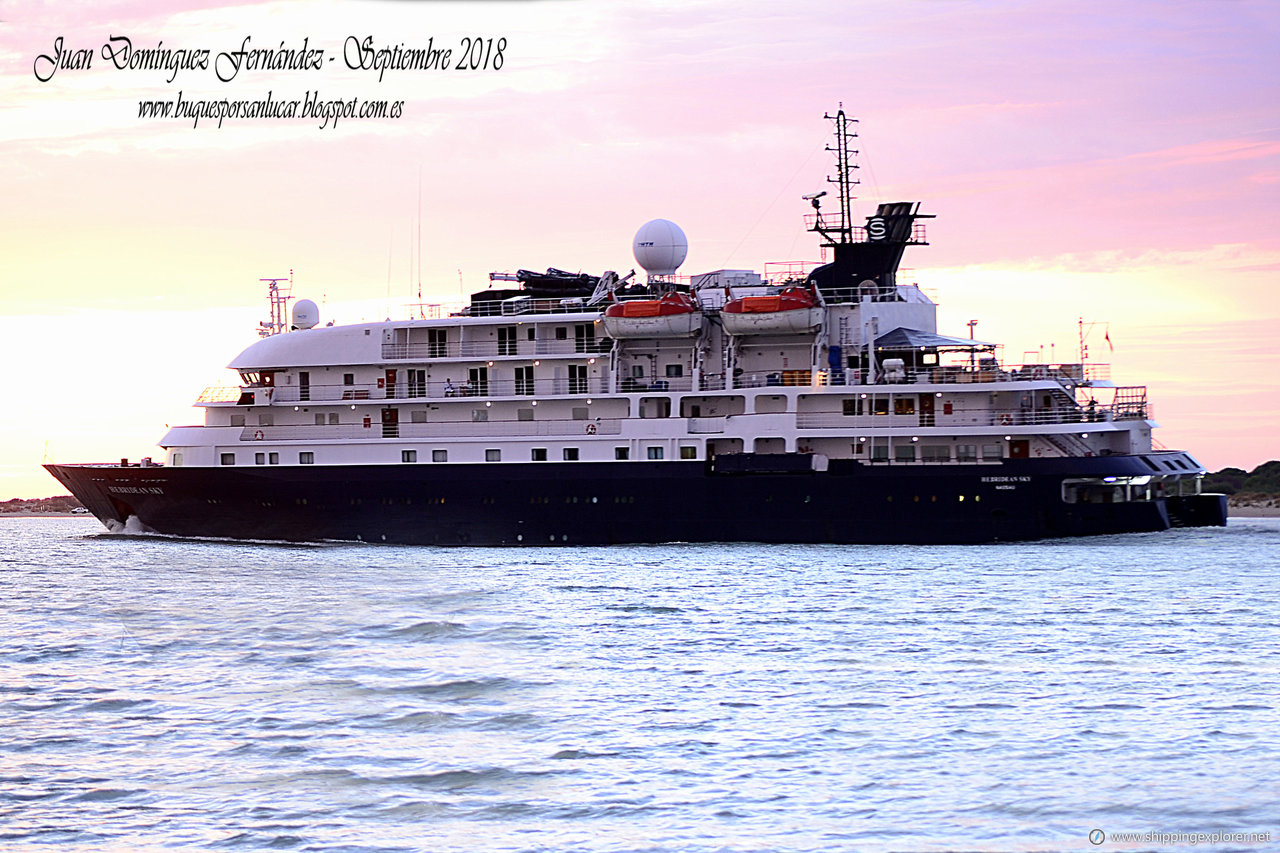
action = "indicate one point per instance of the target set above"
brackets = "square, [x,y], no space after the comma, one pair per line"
[493,454]
[904,453]
[266,419]
[852,407]
[622,453]
[177,460]
[579,413]
[418,417]
[531,330]
[935,453]
[306,457]
[273,458]
[320,419]
[654,452]
[348,379]
[259,459]
[562,333]
[674,370]
[333,418]
[479,415]
[966,452]
[228,459]
[687,452]
[904,405]
[880,453]
[524,414]
[538,454]
[237,420]
[408,456]
[991,451]
[637,370]
[571,454]
[880,406]
[439,456]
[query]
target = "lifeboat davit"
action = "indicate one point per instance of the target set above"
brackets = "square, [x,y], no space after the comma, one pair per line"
[793,310]
[673,315]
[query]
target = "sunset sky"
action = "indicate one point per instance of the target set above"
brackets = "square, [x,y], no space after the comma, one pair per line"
[1118,162]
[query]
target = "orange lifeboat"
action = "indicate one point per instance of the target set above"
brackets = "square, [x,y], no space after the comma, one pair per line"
[793,310]
[673,315]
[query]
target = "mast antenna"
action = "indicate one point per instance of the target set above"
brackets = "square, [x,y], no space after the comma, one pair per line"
[278,299]
[844,180]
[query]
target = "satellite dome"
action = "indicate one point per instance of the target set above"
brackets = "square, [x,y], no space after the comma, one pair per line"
[660,247]
[305,314]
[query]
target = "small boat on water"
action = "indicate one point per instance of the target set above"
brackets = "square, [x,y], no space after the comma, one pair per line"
[672,315]
[792,310]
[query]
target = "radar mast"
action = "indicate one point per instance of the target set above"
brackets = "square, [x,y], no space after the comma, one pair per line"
[844,180]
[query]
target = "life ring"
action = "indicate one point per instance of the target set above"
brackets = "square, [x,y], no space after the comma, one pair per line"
[591,429]
[258,435]
[1006,420]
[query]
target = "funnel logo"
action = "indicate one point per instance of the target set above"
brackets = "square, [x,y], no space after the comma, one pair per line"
[877,228]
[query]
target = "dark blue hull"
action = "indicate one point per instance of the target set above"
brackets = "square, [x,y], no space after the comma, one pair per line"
[589,503]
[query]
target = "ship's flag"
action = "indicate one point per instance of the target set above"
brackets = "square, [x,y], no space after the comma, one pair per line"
[1107,336]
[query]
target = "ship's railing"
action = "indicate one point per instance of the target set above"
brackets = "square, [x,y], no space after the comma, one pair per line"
[781,272]
[491,349]
[858,233]
[520,305]
[440,429]
[711,382]
[1067,375]
[438,389]
[220,394]
[970,417]
[637,385]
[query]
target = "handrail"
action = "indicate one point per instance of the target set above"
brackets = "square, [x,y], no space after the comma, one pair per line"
[973,417]
[488,349]
[436,389]
[220,394]
[436,429]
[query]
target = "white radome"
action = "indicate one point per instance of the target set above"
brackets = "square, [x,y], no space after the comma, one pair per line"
[660,247]
[305,314]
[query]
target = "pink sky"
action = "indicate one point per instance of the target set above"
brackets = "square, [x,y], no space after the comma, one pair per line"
[1119,162]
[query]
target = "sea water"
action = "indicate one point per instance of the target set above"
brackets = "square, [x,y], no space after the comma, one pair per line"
[179,693]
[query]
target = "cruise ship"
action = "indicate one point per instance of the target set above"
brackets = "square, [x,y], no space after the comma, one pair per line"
[808,403]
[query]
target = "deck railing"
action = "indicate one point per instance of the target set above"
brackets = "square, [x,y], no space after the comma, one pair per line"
[973,417]
[493,349]
[441,429]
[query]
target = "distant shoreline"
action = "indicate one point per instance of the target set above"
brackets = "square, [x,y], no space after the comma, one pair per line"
[1253,511]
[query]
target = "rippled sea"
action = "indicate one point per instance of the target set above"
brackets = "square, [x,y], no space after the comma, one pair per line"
[177,693]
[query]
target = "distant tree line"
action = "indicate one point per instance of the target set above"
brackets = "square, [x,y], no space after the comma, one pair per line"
[59,503]
[1263,480]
